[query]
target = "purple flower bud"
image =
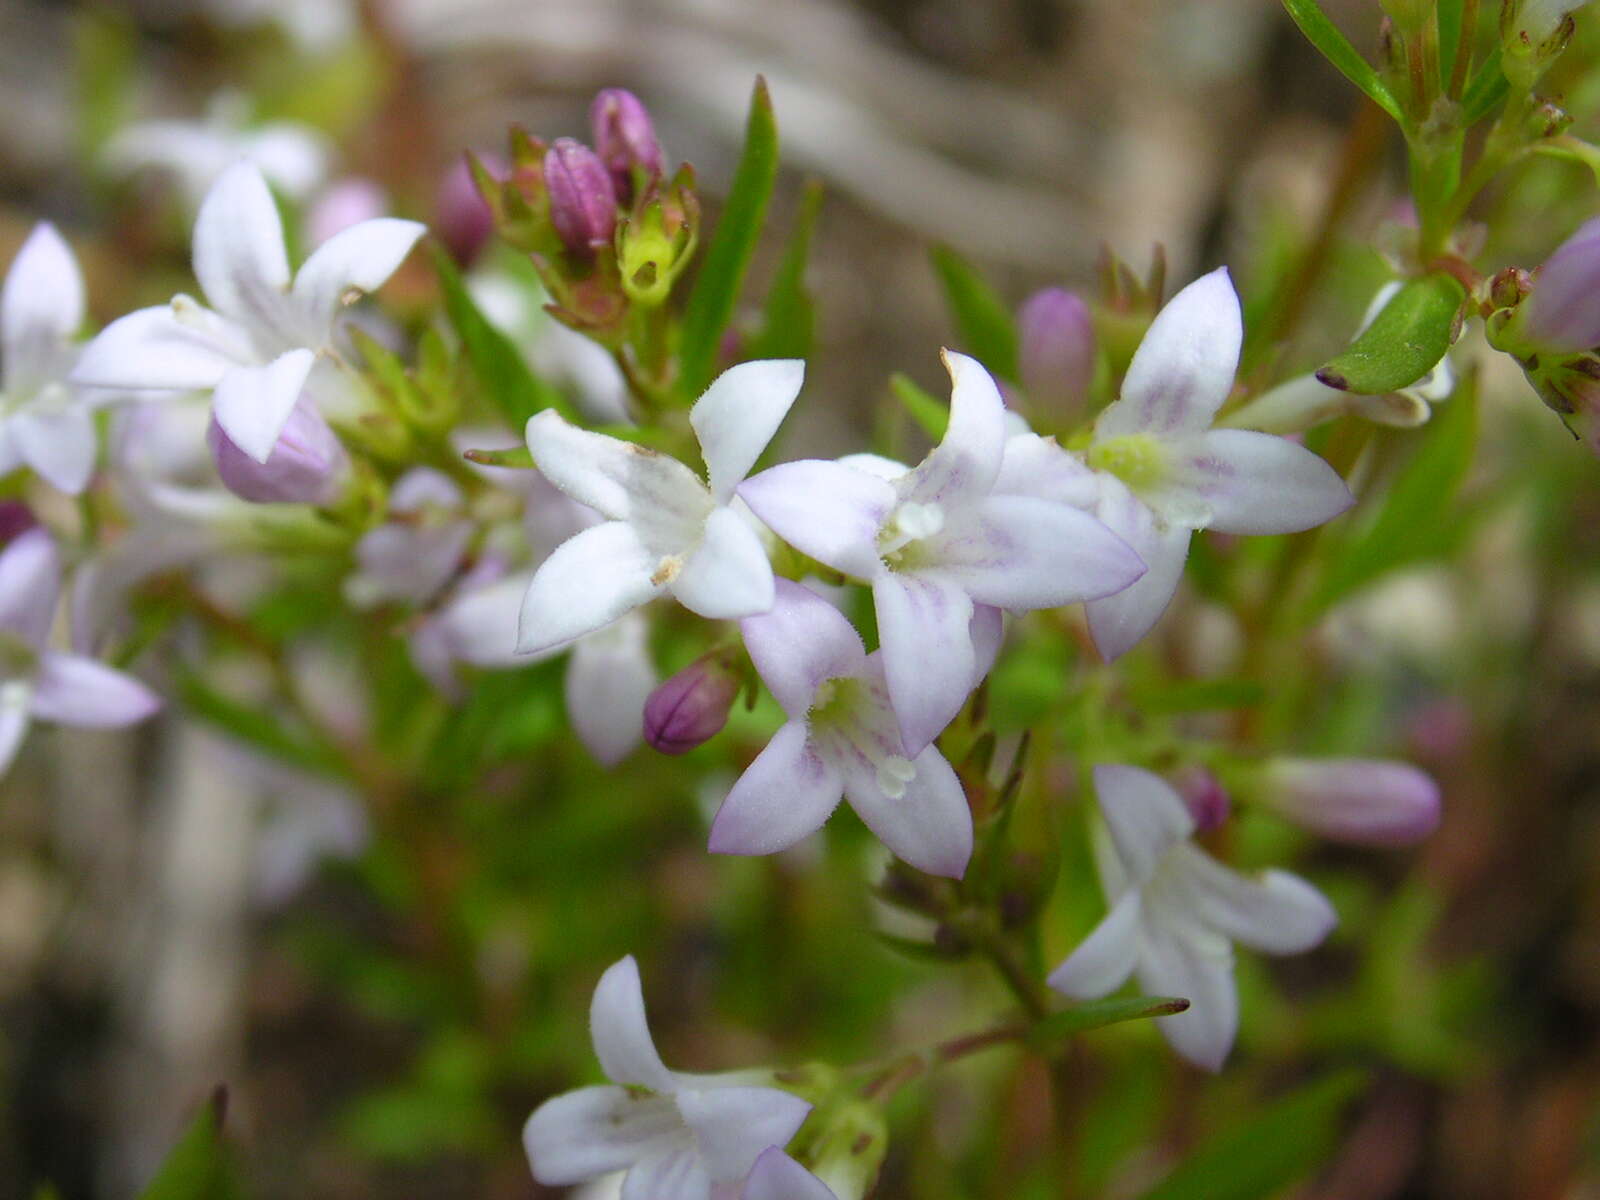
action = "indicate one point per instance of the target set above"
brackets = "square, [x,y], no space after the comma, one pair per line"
[1370,802]
[16,518]
[1057,352]
[692,707]
[464,221]
[1562,314]
[307,466]
[625,138]
[1208,801]
[583,202]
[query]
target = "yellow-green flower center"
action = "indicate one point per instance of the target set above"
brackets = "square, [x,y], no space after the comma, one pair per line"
[1137,459]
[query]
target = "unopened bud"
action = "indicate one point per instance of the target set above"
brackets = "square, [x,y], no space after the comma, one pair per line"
[1208,801]
[308,465]
[625,139]
[16,518]
[464,219]
[1535,38]
[1056,352]
[1562,312]
[692,707]
[1369,802]
[844,1145]
[583,202]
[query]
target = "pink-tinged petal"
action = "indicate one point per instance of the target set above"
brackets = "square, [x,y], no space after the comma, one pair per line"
[677,1174]
[1275,912]
[595,1130]
[355,260]
[1118,622]
[929,826]
[60,445]
[621,1034]
[966,462]
[479,626]
[1199,970]
[30,585]
[239,257]
[988,629]
[591,580]
[609,677]
[739,414]
[1019,553]
[784,795]
[1183,369]
[925,625]
[153,349]
[253,404]
[73,690]
[733,1125]
[1038,467]
[728,575]
[1368,802]
[825,509]
[1146,817]
[1562,313]
[801,641]
[1104,960]
[1257,482]
[15,716]
[776,1176]
[41,307]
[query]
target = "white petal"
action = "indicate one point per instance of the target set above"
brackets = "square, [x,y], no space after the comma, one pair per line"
[1036,466]
[784,795]
[41,308]
[1276,912]
[825,509]
[15,715]
[239,257]
[735,1124]
[30,585]
[776,1176]
[59,445]
[609,677]
[358,259]
[1119,621]
[727,576]
[151,348]
[479,625]
[988,629]
[801,641]
[253,404]
[293,157]
[1183,369]
[739,413]
[924,623]
[594,1130]
[930,826]
[591,580]
[1146,817]
[1199,970]
[1019,553]
[1104,960]
[678,1174]
[966,462]
[73,690]
[620,1032]
[1257,483]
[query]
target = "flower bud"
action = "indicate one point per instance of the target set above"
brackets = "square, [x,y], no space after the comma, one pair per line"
[625,138]
[692,707]
[1535,37]
[16,518]
[1208,801]
[465,221]
[583,202]
[1057,352]
[1562,313]
[1370,802]
[347,202]
[844,1145]
[309,464]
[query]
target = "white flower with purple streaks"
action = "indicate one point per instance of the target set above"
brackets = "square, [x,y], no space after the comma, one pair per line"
[1175,912]
[679,1136]
[1166,473]
[665,529]
[38,682]
[841,740]
[255,348]
[937,540]
[776,1176]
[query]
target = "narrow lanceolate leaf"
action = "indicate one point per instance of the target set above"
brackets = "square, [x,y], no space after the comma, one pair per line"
[930,414]
[1097,1014]
[501,371]
[1404,342]
[1336,48]
[1487,88]
[716,289]
[516,456]
[985,327]
[1449,17]
[197,1168]
[789,319]
[1266,1153]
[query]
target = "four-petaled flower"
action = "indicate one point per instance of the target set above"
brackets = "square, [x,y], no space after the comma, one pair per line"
[679,1136]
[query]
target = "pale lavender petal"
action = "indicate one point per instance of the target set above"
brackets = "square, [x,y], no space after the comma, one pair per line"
[621,1034]
[784,795]
[479,624]
[253,404]
[1146,817]
[590,581]
[825,509]
[1183,369]
[60,445]
[1562,313]
[776,1176]
[609,678]
[153,349]
[15,716]
[355,260]
[41,307]
[1276,912]
[732,1125]
[1199,970]
[1370,802]
[1118,622]
[924,623]
[73,690]
[988,629]
[677,1174]
[728,575]
[966,462]
[1257,482]
[595,1130]
[30,585]
[738,415]
[800,642]
[1103,960]
[929,826]
[1038,467]
[239,257]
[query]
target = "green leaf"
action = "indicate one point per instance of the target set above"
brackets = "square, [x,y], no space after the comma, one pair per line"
[253,726]
[1571,149]
[1336,48]
[1404,342]
[1201,695]
[105,47]
[716,290]
[789,321]
[931,415]
[985,327]
[497,363]
[197,1167]
[1261,1156]
[1080,1018]
[1487,88]
[1449,25]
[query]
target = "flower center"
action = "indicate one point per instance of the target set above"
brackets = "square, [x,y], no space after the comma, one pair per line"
[18,660]
[837,711]
[910,523]
[1137,459]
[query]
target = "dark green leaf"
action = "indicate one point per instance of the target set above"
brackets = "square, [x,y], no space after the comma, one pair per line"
[1449,24]
[1202,695]
[930,414]
[716,290]
[1404,342]
[788,323]
[253,726]
[1096,1014]
[985,327]
[1265,1154]
[1487,88]
[1336,48]
[197,1167]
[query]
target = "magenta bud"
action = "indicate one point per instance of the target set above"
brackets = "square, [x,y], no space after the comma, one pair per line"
[1370,802]
[464,222]
[1208,801]
[583,202]
[625,138]
[1562,313]
[307,466]
[1056,352]
[16,518]
[692,707]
